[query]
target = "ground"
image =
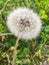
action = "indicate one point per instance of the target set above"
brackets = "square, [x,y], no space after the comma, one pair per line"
[31,52]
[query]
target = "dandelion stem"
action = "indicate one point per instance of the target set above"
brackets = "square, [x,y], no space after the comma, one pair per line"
[4,6]
[14,55]
[3,34]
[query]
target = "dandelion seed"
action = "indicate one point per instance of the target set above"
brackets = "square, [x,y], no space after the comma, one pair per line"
[24,23]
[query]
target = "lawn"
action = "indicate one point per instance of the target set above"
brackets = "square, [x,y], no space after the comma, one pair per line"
[29,52]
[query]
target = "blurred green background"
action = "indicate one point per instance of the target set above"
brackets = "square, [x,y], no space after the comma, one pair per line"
[31,52]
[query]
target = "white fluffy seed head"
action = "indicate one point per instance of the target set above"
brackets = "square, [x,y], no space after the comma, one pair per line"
[24,23]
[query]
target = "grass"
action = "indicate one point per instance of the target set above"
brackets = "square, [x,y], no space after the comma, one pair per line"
[31,52]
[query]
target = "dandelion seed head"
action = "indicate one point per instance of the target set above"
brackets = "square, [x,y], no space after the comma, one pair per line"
[24,23]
